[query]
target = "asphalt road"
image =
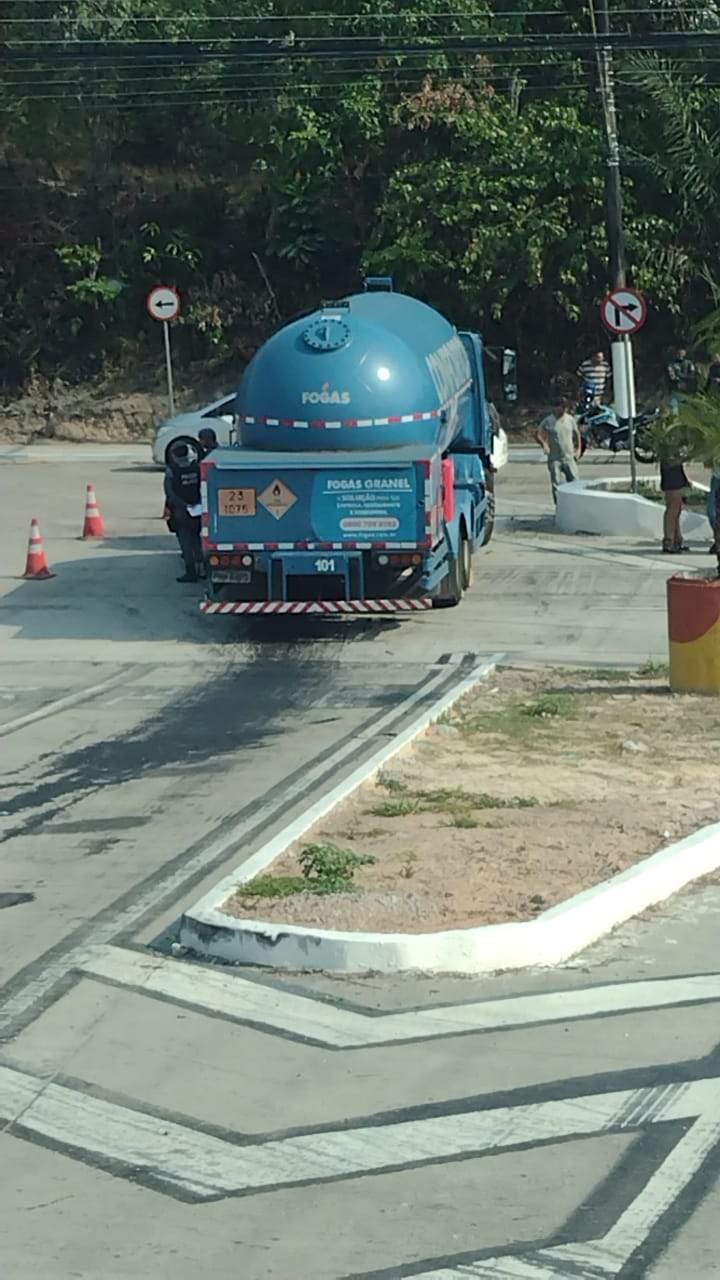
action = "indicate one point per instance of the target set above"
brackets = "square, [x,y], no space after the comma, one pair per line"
[161,1117]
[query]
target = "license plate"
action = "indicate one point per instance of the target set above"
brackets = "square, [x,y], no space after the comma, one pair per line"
[231,575]
[236,502]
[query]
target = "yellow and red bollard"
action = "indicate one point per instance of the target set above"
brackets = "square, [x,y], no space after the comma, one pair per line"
[693,605]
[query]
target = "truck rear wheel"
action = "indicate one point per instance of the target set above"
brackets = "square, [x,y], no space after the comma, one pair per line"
[489,524]
[451,589]
[465,561]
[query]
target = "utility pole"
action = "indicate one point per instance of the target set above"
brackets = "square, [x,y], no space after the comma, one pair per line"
[622,359]
[615,228]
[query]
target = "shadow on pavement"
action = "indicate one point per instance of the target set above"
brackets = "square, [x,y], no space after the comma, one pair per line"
[234,711]
[135,598]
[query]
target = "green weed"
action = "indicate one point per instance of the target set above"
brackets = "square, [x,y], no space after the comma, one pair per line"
[551,704]
[328,869]
[272,887]
[391,784]
[463,820]
[450,800]
[325,869]
[653,670]
[394,808]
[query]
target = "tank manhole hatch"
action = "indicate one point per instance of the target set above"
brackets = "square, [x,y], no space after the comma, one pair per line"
[327,334]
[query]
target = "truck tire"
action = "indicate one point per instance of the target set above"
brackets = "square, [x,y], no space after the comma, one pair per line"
[489,525]
[465,561]
[451,589]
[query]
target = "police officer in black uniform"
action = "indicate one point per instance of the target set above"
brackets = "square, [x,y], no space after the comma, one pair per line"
[208,441]
[182,491]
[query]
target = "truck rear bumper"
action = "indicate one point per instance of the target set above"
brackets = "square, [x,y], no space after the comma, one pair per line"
[316,606]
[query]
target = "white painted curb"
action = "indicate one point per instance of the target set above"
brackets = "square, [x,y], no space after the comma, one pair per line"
[553,937]
[210,903]
[591,506]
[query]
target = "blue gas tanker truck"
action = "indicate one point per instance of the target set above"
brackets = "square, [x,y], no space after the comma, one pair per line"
[360,480]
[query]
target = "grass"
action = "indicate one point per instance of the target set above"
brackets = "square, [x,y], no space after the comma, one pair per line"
[394,808]
[358,833]
[653,670]
[550,705]
[463,820]
[325,869]
[455,801]
[272,887]
[391,784]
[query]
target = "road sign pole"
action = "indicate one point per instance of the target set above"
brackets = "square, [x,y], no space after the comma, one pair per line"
[168,367]
[630,397]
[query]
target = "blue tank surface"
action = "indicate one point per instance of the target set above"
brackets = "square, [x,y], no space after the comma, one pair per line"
[374,371]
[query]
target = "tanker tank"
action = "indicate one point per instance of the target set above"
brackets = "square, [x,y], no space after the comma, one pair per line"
[374,371]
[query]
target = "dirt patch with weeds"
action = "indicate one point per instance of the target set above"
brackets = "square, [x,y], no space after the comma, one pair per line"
[536,786]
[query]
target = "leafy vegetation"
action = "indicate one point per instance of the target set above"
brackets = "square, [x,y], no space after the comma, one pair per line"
[461,805]
[259,170]
[550,705]
[328,869]
[325,869]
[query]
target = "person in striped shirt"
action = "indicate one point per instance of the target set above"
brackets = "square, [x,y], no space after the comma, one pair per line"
[594,373]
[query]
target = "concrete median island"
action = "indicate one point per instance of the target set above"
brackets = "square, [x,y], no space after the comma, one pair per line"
[543,810]
[608,507]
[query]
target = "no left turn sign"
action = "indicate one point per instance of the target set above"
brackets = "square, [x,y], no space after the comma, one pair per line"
[163,302]
[624,311]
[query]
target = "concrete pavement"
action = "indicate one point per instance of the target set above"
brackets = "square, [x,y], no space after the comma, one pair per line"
[161,1116]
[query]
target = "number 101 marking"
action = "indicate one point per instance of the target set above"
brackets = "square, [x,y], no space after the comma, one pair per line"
[325,565]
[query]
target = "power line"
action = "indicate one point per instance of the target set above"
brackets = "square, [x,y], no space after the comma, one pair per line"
[258,67]
[252,98]
[308,46]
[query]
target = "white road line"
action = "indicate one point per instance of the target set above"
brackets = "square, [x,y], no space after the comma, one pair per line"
[190,1161]
[224,992]
[61,704]
[165,886]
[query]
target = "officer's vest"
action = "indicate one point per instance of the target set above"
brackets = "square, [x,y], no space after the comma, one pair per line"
[186,483]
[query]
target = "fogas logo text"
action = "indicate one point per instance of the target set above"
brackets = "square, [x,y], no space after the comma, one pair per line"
[326,396]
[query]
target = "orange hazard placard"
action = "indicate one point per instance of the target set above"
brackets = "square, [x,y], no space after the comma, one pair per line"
[236,502]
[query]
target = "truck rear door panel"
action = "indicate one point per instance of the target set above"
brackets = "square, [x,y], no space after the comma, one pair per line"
[280,502]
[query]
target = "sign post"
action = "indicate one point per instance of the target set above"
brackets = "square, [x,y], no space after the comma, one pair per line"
[623,312]
[163,303]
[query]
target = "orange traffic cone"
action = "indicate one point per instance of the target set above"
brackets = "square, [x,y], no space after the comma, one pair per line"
[94,526]
[36,565]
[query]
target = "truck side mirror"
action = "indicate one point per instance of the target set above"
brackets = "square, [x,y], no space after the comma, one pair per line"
[509,375]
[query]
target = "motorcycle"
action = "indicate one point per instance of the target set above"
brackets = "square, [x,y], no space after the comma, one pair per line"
[600,428]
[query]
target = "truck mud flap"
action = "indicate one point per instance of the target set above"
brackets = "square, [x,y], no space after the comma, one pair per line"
[316,606]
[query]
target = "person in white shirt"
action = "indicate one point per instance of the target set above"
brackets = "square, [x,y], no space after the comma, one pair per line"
[559,438]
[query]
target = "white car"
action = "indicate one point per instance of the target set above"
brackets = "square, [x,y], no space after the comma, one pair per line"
[185,426]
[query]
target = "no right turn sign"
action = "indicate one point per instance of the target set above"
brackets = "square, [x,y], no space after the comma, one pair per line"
[624,311]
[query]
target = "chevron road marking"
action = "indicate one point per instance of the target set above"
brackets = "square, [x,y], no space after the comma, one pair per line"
[187,1162]
[604,1258]
[224,992]
[172,881]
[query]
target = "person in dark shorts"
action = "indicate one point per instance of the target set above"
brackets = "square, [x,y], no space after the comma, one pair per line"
[674,484]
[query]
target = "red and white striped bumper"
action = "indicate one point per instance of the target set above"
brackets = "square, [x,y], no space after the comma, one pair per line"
[316,606]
